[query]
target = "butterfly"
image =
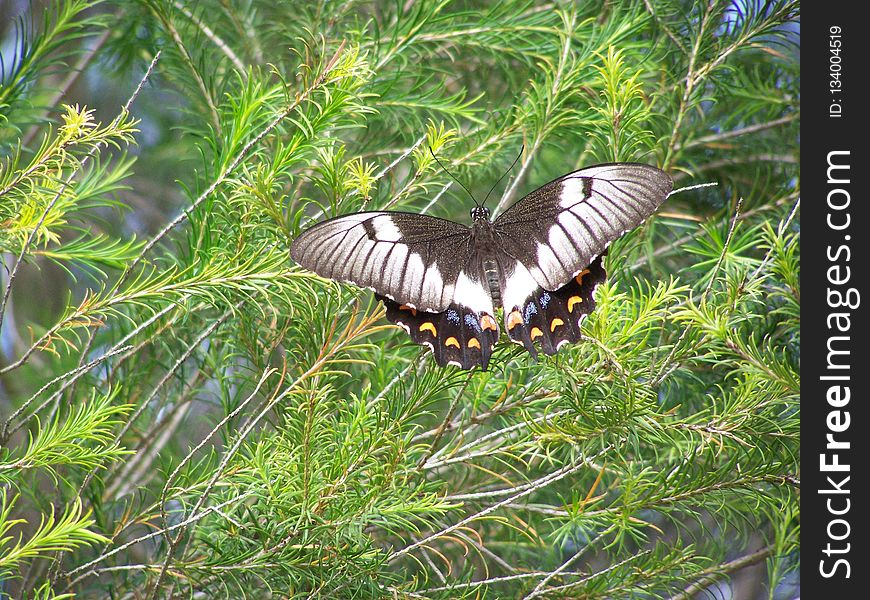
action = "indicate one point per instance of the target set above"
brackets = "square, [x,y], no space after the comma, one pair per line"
[540,259]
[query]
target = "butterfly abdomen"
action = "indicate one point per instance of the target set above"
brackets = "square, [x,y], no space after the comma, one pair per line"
[493,279]
[483,240]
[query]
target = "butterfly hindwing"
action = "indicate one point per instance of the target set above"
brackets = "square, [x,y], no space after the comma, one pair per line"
[457,336]
[413,259]
[551,319]
[558,229]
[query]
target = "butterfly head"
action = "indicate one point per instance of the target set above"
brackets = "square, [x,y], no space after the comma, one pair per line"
[480,213]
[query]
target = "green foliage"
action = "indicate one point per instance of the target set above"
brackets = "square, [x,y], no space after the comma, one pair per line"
[184,411]
[38,198]
[41,46]
[53,534]
[63,442]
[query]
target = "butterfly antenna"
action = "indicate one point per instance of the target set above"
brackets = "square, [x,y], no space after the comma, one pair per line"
[523,147]
[451,175]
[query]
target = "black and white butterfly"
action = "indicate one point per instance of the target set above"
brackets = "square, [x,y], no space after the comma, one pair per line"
[541,260]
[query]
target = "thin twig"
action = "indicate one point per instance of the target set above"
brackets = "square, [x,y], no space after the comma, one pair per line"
[780,230]
[214,37]
[521,492]
[541,588]
[718,137]
[717,573]
[450,411]
[402,157]
[689,89]
[497,437]
[681,241]
[140,468]
[436,197]
[188,60]
[189,521]
[664,27]
[231,415]
[611,567]
[488,581]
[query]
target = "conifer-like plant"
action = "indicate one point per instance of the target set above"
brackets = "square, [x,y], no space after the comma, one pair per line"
[185,412]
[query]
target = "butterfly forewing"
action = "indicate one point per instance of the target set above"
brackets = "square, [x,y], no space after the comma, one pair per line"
[413,259]
[557,230]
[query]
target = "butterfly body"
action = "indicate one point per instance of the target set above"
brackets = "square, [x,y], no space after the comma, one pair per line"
[484,242]
[540,260]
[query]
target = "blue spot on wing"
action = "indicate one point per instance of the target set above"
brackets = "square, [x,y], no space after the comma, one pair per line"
[531,309]
[453,316]
[545,300]
[472,322]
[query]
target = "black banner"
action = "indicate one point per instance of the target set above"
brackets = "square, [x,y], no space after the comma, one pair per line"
[835,246]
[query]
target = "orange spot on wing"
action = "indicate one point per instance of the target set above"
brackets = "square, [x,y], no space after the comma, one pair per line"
[406,307]
[451,341]
[535,333]
[572,301]
[514,319]
[555,323]
[487,322]
[579,278]
[429,327]
[473,343]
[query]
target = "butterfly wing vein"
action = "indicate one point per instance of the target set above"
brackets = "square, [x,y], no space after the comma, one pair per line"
[414,259]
